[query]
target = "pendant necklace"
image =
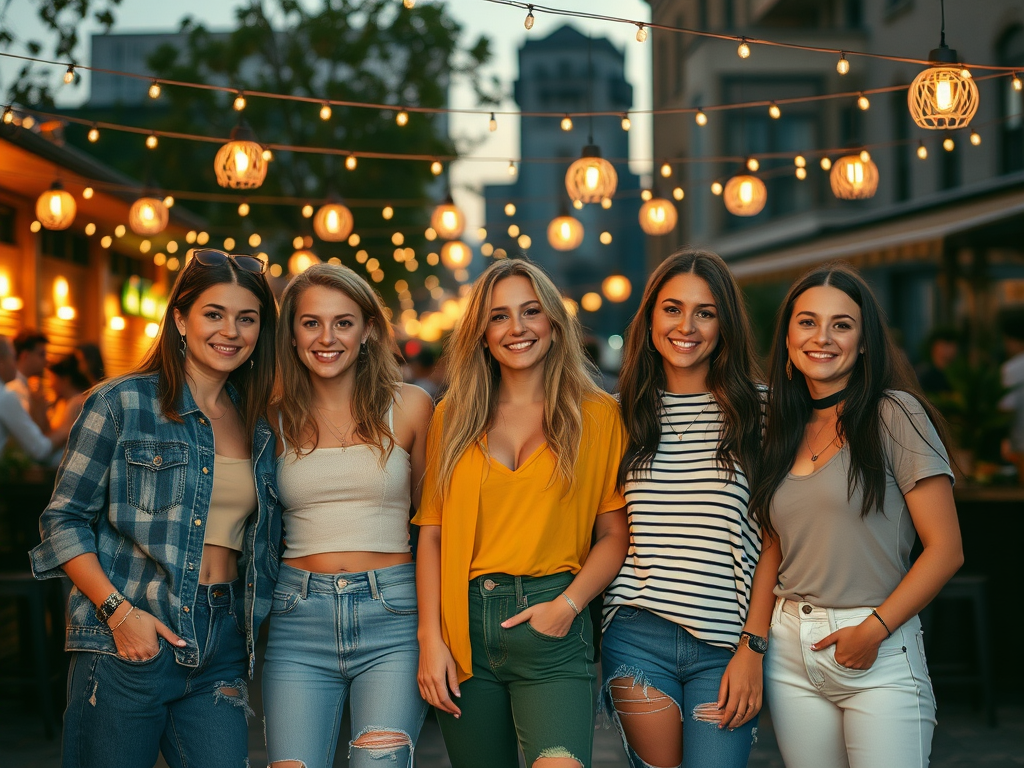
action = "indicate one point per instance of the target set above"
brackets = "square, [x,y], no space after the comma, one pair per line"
[678,434]
[814,456]
[339,435]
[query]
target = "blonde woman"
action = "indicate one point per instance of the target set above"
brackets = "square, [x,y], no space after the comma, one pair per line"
[522,461]
[343,620]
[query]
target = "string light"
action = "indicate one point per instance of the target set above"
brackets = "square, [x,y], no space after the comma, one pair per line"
[1016,82]
[863,103]
[351,162]
[510,209]
[8,117]
[854,177]
[511,168]
[646,195]
[529,17]
[606,203]
[626,123]
[666,170]
[975,138]
[154,90]
[744,49]
[402,118]
[800,161]
[716,188]
[678,193]
[566,123]
[151,141]
[69,76]
[577,204]
[93,135]
[307,211]
[801,173]
[700,118]
[842,66]
[325,112]
[641,33]
[774,111]
[753,164]
[948,144]
[87,193]
[657,217]
[492,124]
[387,212]
[267,155]
[922,150]
[243,209]
[409,4]
[826,164]
[745,195]
[239,103]
[436,168]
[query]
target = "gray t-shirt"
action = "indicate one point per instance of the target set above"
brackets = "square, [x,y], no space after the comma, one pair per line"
[833,557]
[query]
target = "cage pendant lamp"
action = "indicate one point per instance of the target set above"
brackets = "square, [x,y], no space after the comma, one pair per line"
[591,178]
[944,96]
[658,216]
[56,208]
[239,163]
[148,216]
[565,233]
[448,220]
[854,177]
[745,195]
[333,222]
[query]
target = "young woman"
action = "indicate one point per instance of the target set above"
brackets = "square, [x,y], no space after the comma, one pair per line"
[683,641]
[853,468]
[522,462]
[70,380]
[165,518]
[344,614]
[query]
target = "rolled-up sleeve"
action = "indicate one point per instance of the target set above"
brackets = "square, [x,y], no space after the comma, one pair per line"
[68,525]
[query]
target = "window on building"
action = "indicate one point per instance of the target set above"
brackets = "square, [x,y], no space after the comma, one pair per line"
[7,225]
[1010,53]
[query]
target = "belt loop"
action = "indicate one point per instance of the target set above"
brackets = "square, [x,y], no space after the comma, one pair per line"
[520,597]
[371,576]
[304,590]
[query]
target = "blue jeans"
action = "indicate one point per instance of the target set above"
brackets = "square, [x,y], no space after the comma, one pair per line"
[657,653]
[122,713]
[335,634]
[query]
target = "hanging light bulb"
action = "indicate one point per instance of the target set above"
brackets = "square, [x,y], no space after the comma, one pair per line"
[307,211]
[455,254]
[774,111]
[591,178]
[753,164]
[854,177]
[69,76]
[492,124]
[148,216]
[436,168]
[577,204]
[387,212]
[801,173]
[267,155]
[744,49]
[666,170]
[333,222]
[447,220]
[239,163]
[641,33]
[325,112]
[922,150]
[948,144]
[243,209]
[511,168]
[944,96]
[239,103]
[93,135]
[529,17]
[402,118]
[975,138]
[678,193]
[646,195]
[565,233]
[351,162]
[658,216]
[1016,82]
[826,164]
[510,209]
[169,201]
[745,195]
[626,122]
[700,118]
[606,203]
[151,141]
[566,123]
[55,208]
[800,161]
[716,188]
[842,66]
[87,193]
[8,117]
[154,90]
[863,103]
[616,288]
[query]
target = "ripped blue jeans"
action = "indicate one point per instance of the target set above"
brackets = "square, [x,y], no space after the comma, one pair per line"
[333,636]
[672,668]
[122,713]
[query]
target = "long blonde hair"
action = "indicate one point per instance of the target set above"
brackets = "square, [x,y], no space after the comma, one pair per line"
[377,371]
[473,376]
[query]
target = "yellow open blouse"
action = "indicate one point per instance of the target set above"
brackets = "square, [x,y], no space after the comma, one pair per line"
[495,520]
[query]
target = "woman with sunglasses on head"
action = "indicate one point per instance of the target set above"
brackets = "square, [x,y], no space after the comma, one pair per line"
[684,627]
[522,461]
[853,469]
[343,622]
[165,518]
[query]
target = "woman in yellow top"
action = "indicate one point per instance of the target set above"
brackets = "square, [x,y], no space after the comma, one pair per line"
[522,457]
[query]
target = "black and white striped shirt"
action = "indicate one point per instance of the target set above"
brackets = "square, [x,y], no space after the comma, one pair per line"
[692,546]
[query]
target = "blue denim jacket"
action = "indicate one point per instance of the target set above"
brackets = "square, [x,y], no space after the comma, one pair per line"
[134,488]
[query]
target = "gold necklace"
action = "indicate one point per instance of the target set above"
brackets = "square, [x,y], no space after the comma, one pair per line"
[680,435]
[338,432]
[814,456]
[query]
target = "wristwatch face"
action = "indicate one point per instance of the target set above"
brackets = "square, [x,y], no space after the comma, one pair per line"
[756,644]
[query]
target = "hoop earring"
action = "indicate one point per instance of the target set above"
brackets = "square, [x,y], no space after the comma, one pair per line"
[184,347]
[789,369]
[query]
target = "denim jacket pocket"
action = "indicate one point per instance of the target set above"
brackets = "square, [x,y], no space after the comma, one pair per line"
[156,474]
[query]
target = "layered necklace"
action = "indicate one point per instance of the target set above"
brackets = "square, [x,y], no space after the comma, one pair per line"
[338,432]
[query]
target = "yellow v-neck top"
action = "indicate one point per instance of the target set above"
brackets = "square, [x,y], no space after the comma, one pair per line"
[497,520]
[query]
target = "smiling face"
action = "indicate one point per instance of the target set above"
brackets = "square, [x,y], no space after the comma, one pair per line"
[824,338]
[221,330]
[684,330]
[327,331]
[518,332]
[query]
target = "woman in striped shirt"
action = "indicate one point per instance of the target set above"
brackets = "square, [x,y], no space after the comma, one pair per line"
[683,641]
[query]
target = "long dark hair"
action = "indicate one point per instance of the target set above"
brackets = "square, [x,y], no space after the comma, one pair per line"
[880,368]
[254,383]
[732,376]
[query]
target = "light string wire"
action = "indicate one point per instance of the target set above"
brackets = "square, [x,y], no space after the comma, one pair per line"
[735,38]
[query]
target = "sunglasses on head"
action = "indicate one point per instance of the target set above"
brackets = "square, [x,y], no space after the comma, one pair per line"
[211,257]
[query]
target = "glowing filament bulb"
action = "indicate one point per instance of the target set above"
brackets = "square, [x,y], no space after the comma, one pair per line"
[975,138]
[744,50]
[241,161]
[626,123]
[746,192]
[700,118]
[855,173]
[565,230]
[94,134]
[402,118]
[449,219]
[351,162]
[151,141]
[592,177]
[566,123]
[69,76]
[666,170]
[1016,82]
[753,164]
[331,221]
[239,103]
[492,124]
[55,205]
[774,111]
[863,103]
[529,18]
[948,144]
[154,90]
[944,95]
[826,164]
[922,151]
[842,66]
[325,112]
[511,168]
[436,168]
[641,33]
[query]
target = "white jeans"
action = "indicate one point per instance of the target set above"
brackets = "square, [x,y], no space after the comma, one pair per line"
[829,716]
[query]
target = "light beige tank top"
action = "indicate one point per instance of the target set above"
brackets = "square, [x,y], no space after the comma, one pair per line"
[342,500]
[232,501]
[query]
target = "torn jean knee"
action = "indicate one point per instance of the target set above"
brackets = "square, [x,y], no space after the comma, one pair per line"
[234,692]
[608,701]
[392,745]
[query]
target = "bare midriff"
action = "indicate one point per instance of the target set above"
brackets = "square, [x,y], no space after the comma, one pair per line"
[219,566]
[348,562]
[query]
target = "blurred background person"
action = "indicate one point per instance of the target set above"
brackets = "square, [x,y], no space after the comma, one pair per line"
[70,379]
[14,419]
[93,360]
[942,348]
[30,362]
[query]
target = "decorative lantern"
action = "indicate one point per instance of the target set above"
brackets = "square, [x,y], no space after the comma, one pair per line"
[616,288]
[565,233]
[55,208]
[302,260]
[745,195]
[591,178]
[333,223]
[455,254]
[148,216]
[854,177]
[944,96]
[239,163]
[447,220]
[658,216]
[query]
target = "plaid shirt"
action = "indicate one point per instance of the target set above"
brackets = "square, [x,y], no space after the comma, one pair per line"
[134,488]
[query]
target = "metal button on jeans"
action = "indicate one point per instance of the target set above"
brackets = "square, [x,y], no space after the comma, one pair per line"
[490,584]
[342,583]
[806,609]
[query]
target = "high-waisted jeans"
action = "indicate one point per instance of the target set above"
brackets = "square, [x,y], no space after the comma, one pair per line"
[122,713]
[528,689]
[332,635]
[829,716]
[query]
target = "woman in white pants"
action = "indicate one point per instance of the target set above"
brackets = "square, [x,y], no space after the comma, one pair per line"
[853,469]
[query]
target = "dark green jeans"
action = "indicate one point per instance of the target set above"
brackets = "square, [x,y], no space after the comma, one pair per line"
[528,689]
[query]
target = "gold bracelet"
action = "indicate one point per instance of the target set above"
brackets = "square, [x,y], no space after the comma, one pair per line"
[123,619]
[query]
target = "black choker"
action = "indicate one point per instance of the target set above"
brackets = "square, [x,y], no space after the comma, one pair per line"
[828,402]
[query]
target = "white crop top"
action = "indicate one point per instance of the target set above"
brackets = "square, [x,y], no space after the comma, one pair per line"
[342,500]
[232,500]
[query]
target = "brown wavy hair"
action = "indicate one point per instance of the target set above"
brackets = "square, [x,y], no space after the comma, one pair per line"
[377,370]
